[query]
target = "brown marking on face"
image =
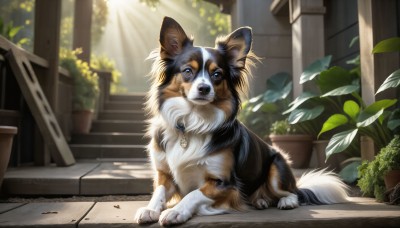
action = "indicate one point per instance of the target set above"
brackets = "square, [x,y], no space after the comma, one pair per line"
[194,65]
[172,89]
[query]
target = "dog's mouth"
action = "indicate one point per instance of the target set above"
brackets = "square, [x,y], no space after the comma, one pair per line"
[201,100]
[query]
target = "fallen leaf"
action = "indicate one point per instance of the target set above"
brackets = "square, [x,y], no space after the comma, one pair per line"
[49,212]
[117,206]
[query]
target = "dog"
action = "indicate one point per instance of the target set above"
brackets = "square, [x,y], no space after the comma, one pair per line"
[203,157]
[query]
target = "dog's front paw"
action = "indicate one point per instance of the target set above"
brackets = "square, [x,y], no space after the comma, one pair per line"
[146,215]
[261,204]
[172,216]
[288,202]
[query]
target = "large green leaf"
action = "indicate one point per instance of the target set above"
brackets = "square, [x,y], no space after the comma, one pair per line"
[342,90]
[381,104]
[333,122]
[278,80]
[265,107]
[388,45]
[349,173]
[272,96]
[334,78]
[392,81]
[340,141]
[304,114]
[256,99]
[315,68]
[351,108]
[305,96]
[394,120]
[365,118]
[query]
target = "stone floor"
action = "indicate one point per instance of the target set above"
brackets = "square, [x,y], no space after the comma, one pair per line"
[361,212]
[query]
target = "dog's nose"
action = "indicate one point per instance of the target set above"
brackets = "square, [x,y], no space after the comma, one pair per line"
[204,89]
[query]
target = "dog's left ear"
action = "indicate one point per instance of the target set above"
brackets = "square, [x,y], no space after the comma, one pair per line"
[172,38]
[236,45]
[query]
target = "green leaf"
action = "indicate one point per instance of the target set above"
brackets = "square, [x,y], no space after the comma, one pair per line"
[392,81]
[343,90]
[333,122]
[365,119]
[349,173]
[13,31]
[353,41]
[256,99]
[272,96]
[388,45]
[305,96]
[393,124]
[381,104]
[334,78]
[340,141]
[351,108]
[315,68]
[301,115]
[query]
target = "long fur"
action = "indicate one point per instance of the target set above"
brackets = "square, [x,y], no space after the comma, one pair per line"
[200,152]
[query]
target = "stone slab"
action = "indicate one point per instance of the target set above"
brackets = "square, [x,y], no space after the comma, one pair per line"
[112,214]
[4,207]
[362,212]
[49,180]
[46,215]
[118,178]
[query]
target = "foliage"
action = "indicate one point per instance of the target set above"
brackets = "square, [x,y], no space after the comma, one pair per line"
[103,63]
[372,173]
[282,127]
[334,85]
[85,81]
[9,31]
[261,111]
[99,20]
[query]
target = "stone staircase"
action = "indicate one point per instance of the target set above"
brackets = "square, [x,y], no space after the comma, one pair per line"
[111,159]
[117,133]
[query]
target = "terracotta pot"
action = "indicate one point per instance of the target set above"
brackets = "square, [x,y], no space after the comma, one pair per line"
[82,121]
[333,162]
[392,178]
[6,139]
[298,147]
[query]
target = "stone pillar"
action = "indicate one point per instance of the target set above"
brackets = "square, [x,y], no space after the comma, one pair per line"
[307,18]
[82,27]
[377,21]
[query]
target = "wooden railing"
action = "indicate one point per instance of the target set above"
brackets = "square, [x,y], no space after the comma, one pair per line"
[28,145]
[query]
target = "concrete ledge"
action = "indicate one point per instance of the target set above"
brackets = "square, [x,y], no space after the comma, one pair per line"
[362,212]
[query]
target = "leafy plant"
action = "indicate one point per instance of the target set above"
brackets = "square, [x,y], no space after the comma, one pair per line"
[103,63]
[372,173]
[335,85]
[85,81]
[261,111]
[9,31]
[282,127]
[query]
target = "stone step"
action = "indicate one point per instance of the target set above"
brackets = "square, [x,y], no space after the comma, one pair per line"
[91,177]
[122,115]
[109,138]
[124,126]
[128,97]
[93,151]
[360,213]
[119,105]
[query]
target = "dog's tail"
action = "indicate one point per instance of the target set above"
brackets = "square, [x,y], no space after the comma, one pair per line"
[321,187]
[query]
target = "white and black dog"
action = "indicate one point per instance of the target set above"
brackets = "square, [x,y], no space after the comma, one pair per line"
[202,156]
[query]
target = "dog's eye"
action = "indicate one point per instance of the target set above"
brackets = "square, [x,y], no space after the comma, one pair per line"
[217,75]
[187,73]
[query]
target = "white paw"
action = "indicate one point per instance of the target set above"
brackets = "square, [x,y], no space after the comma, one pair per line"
[261,204]
[146,215]
[172,216]
[288,202]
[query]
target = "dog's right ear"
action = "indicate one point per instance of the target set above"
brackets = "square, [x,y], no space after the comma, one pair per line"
[172,38]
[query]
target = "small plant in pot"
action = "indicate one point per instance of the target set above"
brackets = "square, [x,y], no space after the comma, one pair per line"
[375,175]
[85,90]
[298,146]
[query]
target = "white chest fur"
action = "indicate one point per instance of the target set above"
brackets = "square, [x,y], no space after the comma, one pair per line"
[189,164]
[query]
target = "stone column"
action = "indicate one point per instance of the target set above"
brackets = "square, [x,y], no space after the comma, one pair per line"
[307,18]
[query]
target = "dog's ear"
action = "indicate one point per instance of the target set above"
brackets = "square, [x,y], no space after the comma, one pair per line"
[172,38]
[236,46]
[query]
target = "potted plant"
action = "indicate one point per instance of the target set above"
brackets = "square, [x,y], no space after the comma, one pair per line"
[259,112]
[85,90]
[386,165]
[6,140]
[298,146]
